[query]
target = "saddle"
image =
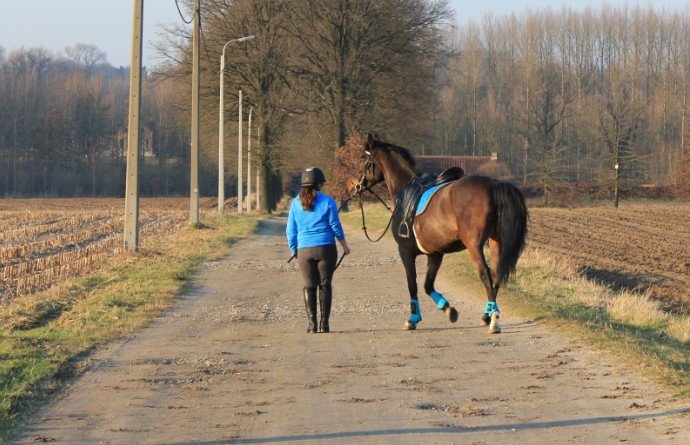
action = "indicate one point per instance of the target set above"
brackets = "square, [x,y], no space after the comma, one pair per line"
[409,197]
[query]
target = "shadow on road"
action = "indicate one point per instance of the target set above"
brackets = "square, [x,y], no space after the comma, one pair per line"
[446,430]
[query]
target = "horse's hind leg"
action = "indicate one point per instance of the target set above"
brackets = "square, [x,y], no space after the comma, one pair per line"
[433,265]
[495,250]
[491,311]
[408,259]
[491,308]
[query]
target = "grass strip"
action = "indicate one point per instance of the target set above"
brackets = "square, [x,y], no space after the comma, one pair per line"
[628,325]
[44,337]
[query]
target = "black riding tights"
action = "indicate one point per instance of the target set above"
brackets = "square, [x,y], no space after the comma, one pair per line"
[317,264]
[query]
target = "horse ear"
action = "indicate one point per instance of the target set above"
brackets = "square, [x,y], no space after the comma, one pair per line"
[370,141]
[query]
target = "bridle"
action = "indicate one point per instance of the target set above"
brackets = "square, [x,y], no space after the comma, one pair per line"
[359,188]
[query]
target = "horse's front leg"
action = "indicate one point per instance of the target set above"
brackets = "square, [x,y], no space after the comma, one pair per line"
[433,265]
[408,258]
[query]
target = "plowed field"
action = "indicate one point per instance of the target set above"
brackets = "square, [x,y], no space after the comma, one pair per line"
[46,241]
[640,247]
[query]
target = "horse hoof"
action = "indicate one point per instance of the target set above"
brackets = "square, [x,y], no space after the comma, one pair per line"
[486,319]
[409,326]
[494,328]
[451,313]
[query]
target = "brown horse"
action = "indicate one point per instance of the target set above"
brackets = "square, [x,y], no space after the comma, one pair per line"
[462,215]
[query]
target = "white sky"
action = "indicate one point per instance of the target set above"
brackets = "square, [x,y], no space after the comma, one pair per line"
[55,24]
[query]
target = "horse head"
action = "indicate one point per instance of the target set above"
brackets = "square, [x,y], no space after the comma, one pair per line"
[372,173]
[387,162]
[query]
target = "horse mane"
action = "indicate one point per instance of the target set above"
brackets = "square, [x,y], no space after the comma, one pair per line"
[403,152]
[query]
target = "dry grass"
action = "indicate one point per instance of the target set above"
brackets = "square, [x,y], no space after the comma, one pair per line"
[630,308]
[44,336]
[679,327]
[630,325]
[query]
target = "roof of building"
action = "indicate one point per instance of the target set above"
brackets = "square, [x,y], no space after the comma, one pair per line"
[436,164]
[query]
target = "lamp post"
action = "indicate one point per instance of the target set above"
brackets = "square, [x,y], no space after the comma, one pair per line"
[221,130]
[240,122]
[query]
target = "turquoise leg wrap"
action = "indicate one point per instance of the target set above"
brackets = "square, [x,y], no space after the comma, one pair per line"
[438,299]
[416,313]
[490,307]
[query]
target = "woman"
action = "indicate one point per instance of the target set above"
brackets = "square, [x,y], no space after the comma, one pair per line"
[312,228]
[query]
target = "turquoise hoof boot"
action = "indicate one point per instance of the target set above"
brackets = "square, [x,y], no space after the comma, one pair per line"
[415,316]
[441,302]
[490,307]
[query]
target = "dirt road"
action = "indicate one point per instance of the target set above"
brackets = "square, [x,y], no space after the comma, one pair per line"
[232,363]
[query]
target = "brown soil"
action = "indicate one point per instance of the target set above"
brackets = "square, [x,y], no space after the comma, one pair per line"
[231,363]
[641,247]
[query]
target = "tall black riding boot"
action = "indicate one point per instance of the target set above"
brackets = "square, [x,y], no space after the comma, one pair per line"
[310,306]
[325,299]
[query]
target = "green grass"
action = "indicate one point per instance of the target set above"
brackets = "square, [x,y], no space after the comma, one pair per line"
[375,214]
[44,337]
[629,326]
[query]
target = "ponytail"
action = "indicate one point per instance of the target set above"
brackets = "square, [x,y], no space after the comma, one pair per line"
[307,196]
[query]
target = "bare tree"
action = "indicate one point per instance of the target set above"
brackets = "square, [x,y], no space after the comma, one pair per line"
[85,54]
[357,54]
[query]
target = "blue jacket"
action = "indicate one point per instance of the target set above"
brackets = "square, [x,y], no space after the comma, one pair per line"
[318,227]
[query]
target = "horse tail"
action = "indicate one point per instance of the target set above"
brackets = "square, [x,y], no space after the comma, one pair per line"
[511,226]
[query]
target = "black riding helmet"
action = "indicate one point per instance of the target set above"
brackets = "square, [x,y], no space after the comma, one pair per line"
[312,176]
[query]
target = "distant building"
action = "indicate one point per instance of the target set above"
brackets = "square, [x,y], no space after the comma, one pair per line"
[470,164]
[146,143]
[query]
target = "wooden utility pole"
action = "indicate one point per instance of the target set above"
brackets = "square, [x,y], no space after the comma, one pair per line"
[131,240]
[239,158]
[259,169]
[194,159]
[249,162]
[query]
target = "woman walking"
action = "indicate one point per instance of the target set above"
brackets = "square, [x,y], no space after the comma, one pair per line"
[312,228]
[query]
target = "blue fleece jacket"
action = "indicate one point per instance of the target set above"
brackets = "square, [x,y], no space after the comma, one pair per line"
[318,227]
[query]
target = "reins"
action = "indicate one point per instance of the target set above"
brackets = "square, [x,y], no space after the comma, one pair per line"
[364,224]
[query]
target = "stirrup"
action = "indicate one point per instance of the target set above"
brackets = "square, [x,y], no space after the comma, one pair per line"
[404,230]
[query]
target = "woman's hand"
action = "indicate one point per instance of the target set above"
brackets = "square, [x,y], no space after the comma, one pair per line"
[346,249]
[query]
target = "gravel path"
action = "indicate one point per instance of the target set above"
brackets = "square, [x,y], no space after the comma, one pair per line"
[231,363]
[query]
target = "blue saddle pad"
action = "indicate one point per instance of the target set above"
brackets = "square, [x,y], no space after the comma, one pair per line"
[426,197]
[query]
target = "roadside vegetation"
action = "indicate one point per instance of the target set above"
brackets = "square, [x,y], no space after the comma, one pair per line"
[45,337]
[636,329]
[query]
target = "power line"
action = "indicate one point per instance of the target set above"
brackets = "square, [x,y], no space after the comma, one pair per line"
[182,16]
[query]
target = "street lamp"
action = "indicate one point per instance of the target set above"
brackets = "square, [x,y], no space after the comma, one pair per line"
[221,131]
